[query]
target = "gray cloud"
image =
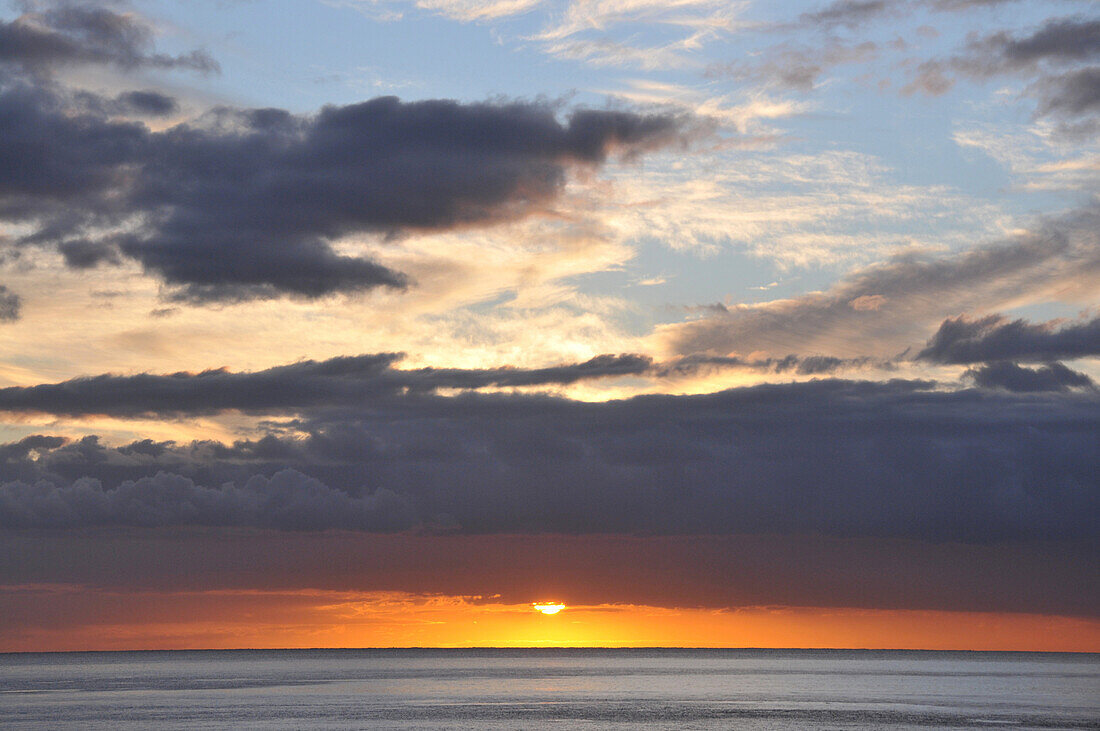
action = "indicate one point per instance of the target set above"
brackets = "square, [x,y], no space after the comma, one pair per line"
[245,203]
[848,13]
[802,365]
[1072,97]
[994,337]
[1058,41]
[362,379]
[796,67]
[1011,377]
[311,384]
[24,447]
[831,457]
[149,103]
[143,103]
[1050,54]
[86,33]
[288,500]
[670,571]
[10,303]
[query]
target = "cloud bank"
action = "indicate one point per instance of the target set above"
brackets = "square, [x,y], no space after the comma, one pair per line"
[831,457]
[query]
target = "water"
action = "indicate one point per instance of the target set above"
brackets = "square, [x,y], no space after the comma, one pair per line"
[497,689]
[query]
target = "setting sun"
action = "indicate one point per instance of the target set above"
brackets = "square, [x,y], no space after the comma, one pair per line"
[548,607]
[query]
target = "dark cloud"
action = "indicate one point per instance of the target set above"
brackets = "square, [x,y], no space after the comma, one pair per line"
[310,384]
[288,500]
[128,104]
[1048,54]
[669,571]
[1057,41]
[829,457]
[150,103]
[363,379]
[1011,377]
[84,254]
[87,33]
[246,203]
[965,340]
[60,168]
[802,365]
[1071,96]
[10,303]
[24,447]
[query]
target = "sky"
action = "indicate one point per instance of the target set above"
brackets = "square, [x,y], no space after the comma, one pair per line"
[346,323]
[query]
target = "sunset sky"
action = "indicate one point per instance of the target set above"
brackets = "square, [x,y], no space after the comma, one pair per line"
[346,323]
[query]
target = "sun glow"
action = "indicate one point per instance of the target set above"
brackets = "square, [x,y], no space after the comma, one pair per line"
[548,607]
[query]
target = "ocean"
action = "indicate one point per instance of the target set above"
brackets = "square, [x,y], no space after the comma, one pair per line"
[550,688]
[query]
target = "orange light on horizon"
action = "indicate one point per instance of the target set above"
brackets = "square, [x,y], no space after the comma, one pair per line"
[316,618]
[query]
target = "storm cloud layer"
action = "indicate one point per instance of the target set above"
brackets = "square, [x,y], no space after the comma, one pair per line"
[288,500]
[243,204]
[833,457]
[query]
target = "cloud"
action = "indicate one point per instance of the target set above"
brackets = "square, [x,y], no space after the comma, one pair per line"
[86,33]
[310,384]
[832,457]
[478,10]
[994,337]
[590,30]
[810,365]
[24,447]
[1051,55]
[247,204]
[797,67]
[1073,97]
[911,293]
[669,571]
[358,380]
[1058,41]
[1011,377]
[851,14]
[10,303]
[954,5]
[288,500]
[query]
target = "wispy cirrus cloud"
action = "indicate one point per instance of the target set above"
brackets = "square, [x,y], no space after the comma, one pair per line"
[912,294]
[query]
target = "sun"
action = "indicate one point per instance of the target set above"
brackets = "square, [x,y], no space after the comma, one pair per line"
[548,607]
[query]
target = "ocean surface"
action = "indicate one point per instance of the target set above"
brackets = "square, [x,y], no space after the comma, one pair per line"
[550,688]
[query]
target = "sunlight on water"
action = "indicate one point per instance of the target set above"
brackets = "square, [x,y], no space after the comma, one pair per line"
[660,689]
